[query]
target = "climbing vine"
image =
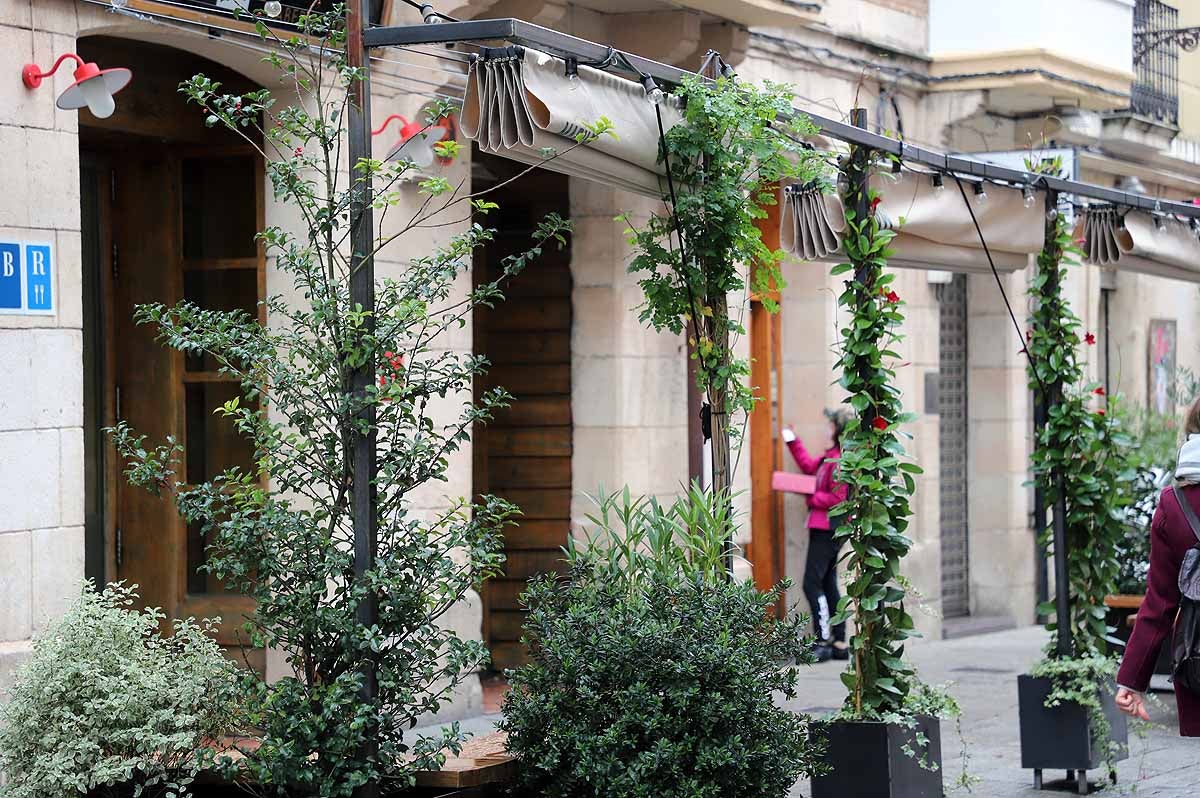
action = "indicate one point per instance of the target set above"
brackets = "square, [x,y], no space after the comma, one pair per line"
[736,141]
[881,482]
[1081,452]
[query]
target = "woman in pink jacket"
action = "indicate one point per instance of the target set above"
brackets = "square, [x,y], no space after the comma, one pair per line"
[820,568]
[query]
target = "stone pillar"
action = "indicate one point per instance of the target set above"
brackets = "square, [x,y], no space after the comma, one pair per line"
[41,395]
[629,389]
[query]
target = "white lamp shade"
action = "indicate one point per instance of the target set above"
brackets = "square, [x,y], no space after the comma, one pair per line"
[96,93]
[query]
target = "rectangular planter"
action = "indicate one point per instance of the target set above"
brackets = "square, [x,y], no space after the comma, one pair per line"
[1060,738]
[868,758]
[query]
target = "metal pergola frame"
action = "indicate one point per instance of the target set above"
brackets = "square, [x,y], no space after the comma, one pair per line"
[515,31]
[361,39]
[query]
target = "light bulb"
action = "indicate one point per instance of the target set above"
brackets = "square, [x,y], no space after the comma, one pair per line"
[572,82]
[938,184]
[1029,199]
[118,3]
[980,193]
[656,95]
[96,95]
[272,8]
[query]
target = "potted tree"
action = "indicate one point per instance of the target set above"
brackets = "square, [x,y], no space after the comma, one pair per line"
[280,530]
[885,741]
[1067,713]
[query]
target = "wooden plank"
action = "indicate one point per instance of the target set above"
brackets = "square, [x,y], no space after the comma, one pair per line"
[536,380]
[539,504]
[534,411]
[529,472]
[505,348]
[529,442]
[531,314]
[550,275]
[525,565]
[529,534]
[508,655]
[506,625]
[504,594]
[481,760]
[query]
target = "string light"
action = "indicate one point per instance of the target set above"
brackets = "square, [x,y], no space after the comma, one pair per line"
[653,93]
[272,8]
[980,192]
[938,184]
[1027,194]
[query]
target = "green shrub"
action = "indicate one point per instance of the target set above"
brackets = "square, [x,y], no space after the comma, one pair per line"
[106,699]
[651,675]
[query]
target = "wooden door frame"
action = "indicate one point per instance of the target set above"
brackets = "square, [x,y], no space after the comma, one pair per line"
[766,549]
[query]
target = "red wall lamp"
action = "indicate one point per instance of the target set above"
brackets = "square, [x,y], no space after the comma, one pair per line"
[93,87]
[417,140]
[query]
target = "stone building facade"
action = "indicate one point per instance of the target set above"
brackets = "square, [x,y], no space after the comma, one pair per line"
[609,398]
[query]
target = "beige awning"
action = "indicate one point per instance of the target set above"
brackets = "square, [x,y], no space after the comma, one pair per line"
[1135,241]
[523,105]
[934,228]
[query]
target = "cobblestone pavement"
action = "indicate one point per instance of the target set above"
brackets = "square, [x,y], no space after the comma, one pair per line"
[984,671]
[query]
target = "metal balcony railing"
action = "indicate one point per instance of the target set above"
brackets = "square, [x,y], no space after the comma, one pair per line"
[1155,90]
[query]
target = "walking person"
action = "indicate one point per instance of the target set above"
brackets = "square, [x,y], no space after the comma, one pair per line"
[820,568]
[1171,536]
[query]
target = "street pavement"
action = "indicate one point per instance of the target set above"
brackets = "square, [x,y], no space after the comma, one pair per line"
[983,671]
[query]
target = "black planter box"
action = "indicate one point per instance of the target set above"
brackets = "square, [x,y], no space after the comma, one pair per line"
[1060,738]
[868,759]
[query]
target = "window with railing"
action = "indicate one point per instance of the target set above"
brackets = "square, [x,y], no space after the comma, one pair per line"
[1155,91]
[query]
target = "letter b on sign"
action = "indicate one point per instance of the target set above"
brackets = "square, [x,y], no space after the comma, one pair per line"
[10,276]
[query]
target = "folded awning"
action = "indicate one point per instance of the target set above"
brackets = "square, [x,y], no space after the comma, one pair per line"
[1138,242]
[934,229]
[522,105]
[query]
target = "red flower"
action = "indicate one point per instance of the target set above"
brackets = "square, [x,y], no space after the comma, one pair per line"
[1089,339]
[892,297]
[1100,412]
[1029,336]
[389,355]
[383,380]
[875,203]
[299,151]
[1099,391]
[879,423]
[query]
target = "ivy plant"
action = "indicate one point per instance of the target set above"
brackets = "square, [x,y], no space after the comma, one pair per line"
[873,465]
[736,141]
[280,531]
[1081,452]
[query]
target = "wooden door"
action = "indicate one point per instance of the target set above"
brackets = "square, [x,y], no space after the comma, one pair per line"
[525,454]
[182,225]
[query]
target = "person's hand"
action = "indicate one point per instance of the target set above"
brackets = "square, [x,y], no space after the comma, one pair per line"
[789,434]
[1132,703]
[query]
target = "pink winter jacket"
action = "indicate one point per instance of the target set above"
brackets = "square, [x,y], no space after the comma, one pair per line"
[829,492]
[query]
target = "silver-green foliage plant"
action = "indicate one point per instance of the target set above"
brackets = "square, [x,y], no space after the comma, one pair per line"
[652,674]
[107,700]
[281,531]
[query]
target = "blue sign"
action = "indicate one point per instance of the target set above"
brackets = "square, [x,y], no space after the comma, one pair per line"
[38,290]
[26,277]
[10,276]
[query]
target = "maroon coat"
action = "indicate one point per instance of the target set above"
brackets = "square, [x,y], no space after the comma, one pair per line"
[1170,538]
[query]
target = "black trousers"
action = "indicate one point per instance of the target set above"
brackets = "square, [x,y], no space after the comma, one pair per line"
[820,583]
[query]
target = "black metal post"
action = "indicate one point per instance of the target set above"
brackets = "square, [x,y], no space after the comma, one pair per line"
[1062,587]
[1041,568]
[362,294]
